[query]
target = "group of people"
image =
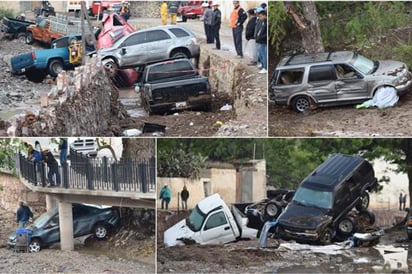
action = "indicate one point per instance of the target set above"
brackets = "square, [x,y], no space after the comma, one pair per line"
[38,155]
[165,197]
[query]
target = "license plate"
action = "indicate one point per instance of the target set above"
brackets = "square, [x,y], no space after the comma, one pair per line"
[180,105]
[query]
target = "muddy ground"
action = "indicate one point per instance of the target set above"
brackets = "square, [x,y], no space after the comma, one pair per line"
[113,255]
[389,256]
[19,96]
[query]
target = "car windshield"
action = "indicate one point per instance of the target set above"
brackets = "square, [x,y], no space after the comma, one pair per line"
[316,198]
[363,64]
[195,219]
[42,220]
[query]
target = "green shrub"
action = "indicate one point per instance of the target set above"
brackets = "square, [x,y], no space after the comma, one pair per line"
[6,12]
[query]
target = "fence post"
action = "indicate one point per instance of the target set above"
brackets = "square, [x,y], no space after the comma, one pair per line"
[89,175]
[65,171]
[43,174]
[143,177]
[105,173]
[115,181]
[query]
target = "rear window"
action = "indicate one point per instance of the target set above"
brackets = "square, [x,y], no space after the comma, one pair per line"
[322,73]
[290,77]
[170,70]
[179,32]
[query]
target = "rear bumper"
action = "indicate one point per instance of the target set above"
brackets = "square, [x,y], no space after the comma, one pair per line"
[194,102]
[22,70]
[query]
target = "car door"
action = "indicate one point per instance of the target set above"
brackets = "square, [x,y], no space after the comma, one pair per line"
[216,229]
[158,44]
[82,220]
[134,49]
[285,83]
[51,231]
[350,84]
[321,83]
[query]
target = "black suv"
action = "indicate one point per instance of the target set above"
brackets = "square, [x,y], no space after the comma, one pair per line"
[319,209]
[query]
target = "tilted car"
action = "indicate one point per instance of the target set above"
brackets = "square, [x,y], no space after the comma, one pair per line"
[150,45]
[334,78]
[321,206]
[87,219]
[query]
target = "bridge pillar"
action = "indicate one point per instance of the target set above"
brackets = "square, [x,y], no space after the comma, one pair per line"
[51,202]
[66,226]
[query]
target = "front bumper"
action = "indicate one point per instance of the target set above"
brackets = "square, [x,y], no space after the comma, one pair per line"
[403,88]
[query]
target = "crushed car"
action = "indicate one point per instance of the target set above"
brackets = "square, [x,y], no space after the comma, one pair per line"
[210,222]
[334,78]
[87,219]
[173,85]
[323,206]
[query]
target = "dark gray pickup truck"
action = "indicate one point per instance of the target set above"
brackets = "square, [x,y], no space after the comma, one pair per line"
[15,28]
[173,85]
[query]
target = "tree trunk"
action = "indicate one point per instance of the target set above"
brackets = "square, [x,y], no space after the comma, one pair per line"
[308,25]
[138,148]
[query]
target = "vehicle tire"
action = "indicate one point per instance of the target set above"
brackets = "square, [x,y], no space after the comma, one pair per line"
[326,237]
[409,236]
[55,67]
[367,217]
[111,67]
[35,245]
[35,76]
[100,231]
[272,210]
[363,202]
[29,38]
[21,37]
[301,103]
[346,225]
[179,54]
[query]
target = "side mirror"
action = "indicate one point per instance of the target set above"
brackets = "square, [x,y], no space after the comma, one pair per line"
[123,51]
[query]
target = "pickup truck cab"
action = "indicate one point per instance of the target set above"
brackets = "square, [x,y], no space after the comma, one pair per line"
[191,10]
[173,85]
[41,32]
[15,27]
[99,7]
[210,222]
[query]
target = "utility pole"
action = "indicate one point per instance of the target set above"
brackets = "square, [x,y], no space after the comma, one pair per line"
[85,16]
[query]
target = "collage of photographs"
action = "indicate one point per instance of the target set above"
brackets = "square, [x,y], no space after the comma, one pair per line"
[205,136]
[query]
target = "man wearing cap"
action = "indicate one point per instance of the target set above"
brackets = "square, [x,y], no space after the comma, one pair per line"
[207,21]
[237,18]
[261,38]
[216,22]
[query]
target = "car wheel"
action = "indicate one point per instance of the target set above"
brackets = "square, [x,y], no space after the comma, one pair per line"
[100,231]
[272,210]
[363,202]
[110,66]
[301,103]
[346,225]
[21,37]
[326,237]
[367,217]
[35,76]
[29,38]
[35,246]
[55,67]
[179,54]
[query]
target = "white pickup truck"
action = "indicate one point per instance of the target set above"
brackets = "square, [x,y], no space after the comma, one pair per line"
[210,222]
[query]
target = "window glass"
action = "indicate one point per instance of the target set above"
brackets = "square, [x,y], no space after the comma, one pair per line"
[170,70]
[179,32]
[310,197]
[157,35]
[135,39]
[363,64]
[216,220]
[195,219]
[322,73]
[291,77]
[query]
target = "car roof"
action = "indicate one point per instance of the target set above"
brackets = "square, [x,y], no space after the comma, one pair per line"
[210,203]
[167,27]
[308,58]
[332,171]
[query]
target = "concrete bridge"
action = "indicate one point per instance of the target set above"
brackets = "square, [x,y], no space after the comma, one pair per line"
[102,181]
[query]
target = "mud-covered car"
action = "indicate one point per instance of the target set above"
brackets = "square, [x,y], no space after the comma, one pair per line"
[334,78]
[87,219]
[321,208]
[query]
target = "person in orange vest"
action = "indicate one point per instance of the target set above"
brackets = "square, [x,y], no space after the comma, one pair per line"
[237,18]
[163,12]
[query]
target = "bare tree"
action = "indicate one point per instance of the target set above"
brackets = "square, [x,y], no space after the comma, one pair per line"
[307,23]
[138,148]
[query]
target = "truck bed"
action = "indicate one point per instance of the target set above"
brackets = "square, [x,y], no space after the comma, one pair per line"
[14,26]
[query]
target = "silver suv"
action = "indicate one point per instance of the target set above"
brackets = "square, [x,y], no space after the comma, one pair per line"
[150,45]
[334,78]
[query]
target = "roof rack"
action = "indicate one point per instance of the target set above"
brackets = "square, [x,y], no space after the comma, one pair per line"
[328,56]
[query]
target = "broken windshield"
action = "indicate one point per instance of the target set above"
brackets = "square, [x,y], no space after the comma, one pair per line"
[195,219]
[363,64]
[310,197]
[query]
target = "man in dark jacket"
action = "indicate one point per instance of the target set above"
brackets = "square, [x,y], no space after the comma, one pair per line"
[53,168]
[250,36]
[237,18]
[184,195]
[207,21]
[261,39]
[63,150]
[23,215]
[216,22]
[173,6]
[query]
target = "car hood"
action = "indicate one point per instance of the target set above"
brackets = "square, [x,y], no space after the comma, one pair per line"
[304,217]
[178,231]
[390,68]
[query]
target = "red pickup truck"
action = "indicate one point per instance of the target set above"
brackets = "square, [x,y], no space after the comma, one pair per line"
[191,10]
[99,7]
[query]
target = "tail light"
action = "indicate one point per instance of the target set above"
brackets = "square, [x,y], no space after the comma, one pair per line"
[33,55]
[409,223]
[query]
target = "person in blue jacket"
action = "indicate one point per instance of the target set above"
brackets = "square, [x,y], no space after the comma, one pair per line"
[23,215]
[165,196]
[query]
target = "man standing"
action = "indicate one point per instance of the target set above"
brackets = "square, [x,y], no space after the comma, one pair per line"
[216,22]
[173,6]
[125,11]
[404,201]
[23,215]
[163,12]
[207,21]
[261,39]
[53,168]
[165,196]
[184,195]
[237,18]
[63,150]
[400,201]
[250,36]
